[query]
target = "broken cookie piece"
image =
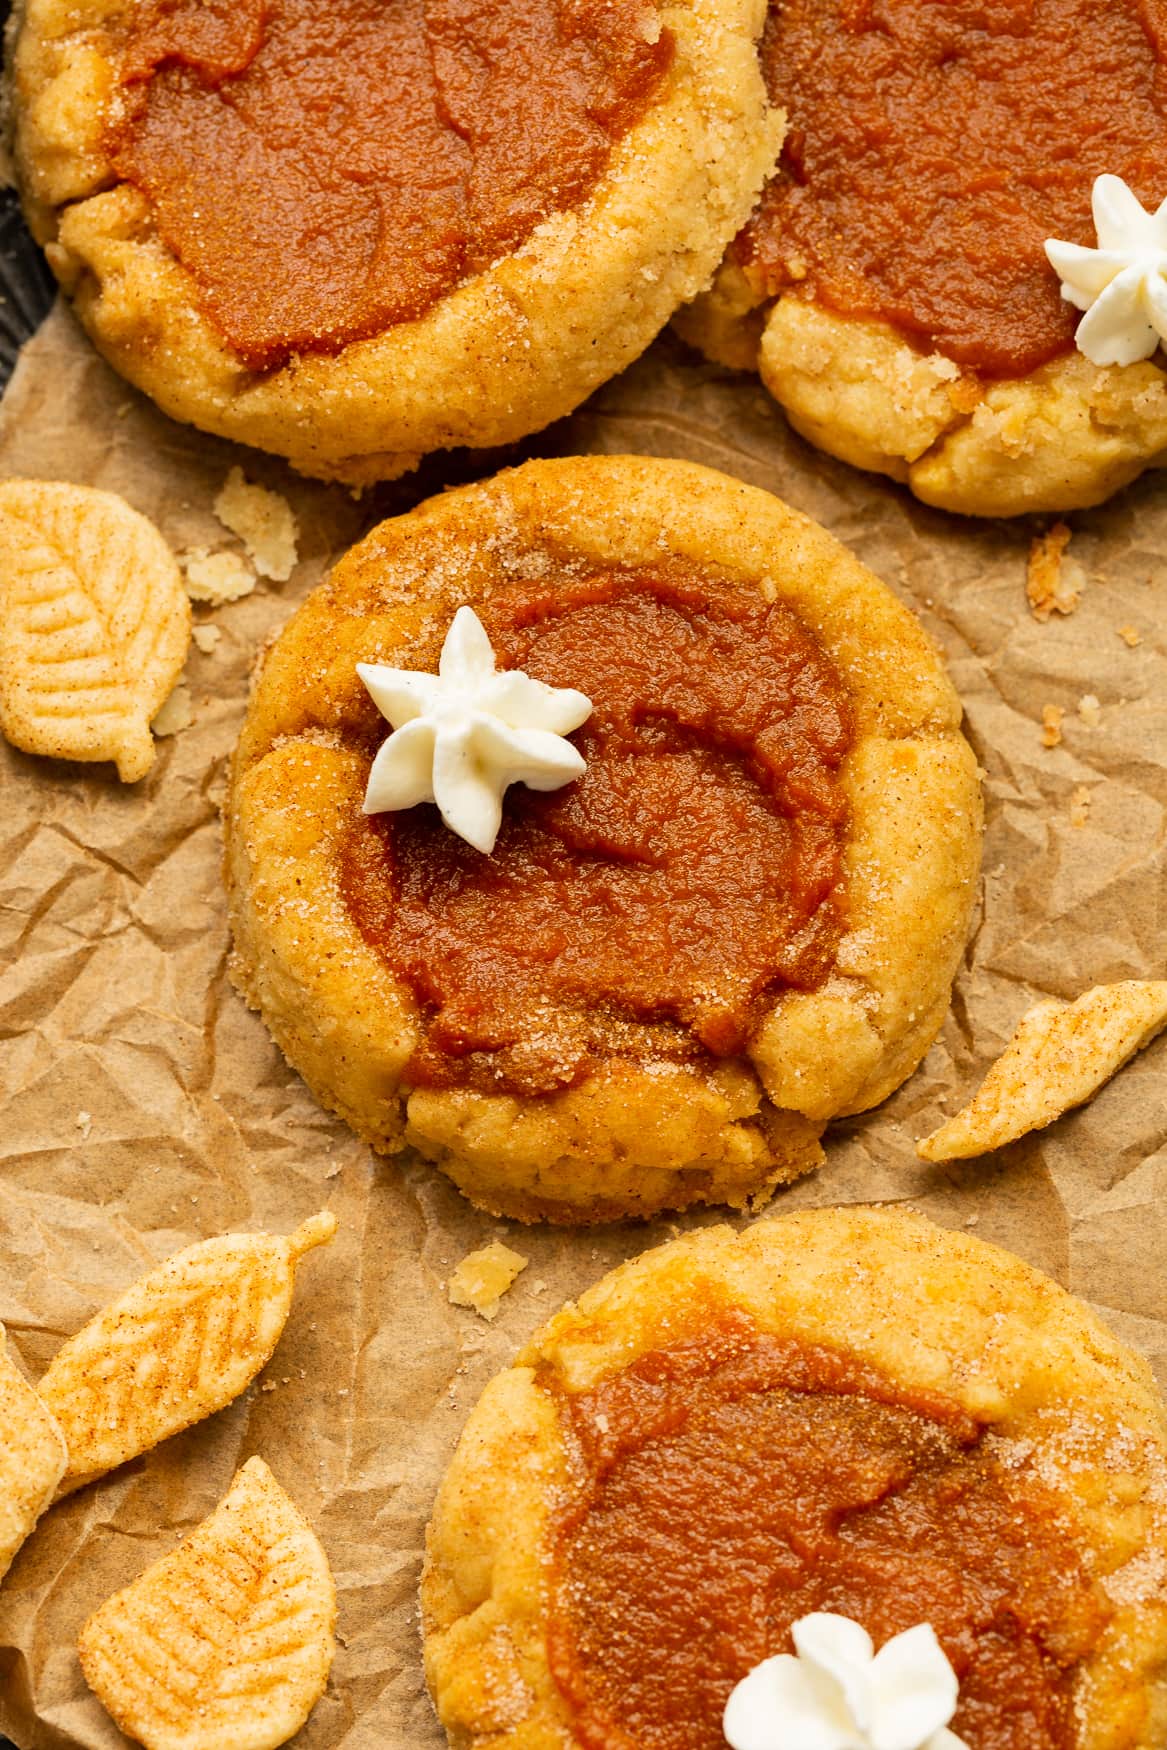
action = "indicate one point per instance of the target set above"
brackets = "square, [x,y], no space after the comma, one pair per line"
[483,1277]
[176,714]
[265,523]
[216,578]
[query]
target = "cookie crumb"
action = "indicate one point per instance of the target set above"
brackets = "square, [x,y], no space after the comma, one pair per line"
[206,638]
[84,1125]
[1051,725]
[216,577]
[177,712]
[1090,710]
[1131,636]
[483,1277]
[1080,806]
[1045,585]
[264,522]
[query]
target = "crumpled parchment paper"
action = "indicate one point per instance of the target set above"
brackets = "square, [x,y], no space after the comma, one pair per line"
[143,1107]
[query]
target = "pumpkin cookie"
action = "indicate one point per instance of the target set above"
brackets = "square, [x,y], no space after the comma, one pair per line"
[664,976]
[355,234]
[893,287]
[843,1414]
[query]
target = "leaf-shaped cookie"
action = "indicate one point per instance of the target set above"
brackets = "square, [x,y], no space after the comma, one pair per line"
[225,1644]
[94,624]
[175,1347]
[32,1458]
[1060,1055]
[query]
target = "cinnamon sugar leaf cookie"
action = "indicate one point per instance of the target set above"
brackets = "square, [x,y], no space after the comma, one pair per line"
[175,1347]
[227,1643]
[94,624]
[32,1458]
[1059,1057]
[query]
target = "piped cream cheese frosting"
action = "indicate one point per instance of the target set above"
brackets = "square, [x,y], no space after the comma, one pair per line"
[1122,284]
[463,736]
[835,1692]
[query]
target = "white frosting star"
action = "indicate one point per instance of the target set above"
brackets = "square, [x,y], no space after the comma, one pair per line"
[462,735]
[838,1693]
[1123,283]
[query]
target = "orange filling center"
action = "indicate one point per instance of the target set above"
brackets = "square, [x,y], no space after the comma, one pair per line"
[731,1484]
[654,906]
[326,170]
[935,144]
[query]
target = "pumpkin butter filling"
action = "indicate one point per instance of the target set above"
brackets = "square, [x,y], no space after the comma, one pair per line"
[326,171]
[932,149]
[654,908]
[727,1485]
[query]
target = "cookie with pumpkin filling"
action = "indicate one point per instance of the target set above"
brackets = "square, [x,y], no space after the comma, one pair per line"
[353,234]
[733,909]
[841,1414]
[893,286]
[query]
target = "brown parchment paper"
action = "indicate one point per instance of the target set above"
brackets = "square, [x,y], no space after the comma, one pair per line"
[142,1107]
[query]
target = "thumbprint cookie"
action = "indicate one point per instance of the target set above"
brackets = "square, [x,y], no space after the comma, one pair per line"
[955,274]
[601,831]
[355,231]
[705,1495]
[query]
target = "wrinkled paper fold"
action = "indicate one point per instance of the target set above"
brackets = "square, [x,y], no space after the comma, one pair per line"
[142,1107]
